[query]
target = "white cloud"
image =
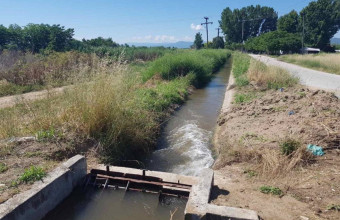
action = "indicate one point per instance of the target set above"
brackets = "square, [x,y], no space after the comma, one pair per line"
[196,27]
[155,39]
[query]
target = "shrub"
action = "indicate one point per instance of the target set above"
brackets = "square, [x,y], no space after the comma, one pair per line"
[289,145]
[32,174]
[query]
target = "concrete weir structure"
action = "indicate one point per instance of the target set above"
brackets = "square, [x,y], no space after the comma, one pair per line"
[45,196]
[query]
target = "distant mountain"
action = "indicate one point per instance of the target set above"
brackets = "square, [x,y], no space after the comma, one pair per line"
[179,44]
[335,41]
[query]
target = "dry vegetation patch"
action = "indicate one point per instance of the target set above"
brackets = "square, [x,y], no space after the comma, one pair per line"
[263,142]
[323,62]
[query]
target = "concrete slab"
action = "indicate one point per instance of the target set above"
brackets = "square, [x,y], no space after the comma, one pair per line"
[45,196]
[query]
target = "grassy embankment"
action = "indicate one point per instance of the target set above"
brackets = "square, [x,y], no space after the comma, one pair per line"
[253,79]
[25,72]
[323,62]
[262,141]
[120,110]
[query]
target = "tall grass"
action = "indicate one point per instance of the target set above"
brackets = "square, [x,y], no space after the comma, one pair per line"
[202,63]
[323,62]
[241,64]
[270,77]
[247,70]
[117,109]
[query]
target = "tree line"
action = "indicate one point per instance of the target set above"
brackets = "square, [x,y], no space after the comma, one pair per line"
[37,38]
[259,29]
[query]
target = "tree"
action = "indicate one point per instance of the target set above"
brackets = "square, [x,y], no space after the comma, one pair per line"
[321,22]
[198,43]
[289,22]
[4,36]
[255,19]
[274,42]
[218,42]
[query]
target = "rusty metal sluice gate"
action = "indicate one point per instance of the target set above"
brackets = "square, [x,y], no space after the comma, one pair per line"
[136,182]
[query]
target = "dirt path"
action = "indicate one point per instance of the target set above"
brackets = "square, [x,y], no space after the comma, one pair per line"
[9,101]
[308,77]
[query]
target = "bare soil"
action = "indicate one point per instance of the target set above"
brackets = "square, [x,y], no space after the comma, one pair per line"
[262,123]
[18,156]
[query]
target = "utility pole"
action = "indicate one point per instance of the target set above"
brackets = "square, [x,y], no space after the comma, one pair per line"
[243,30]
[303,34]
[218,32]
[206,27]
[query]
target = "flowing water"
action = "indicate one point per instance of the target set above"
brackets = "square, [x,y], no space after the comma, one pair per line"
[185,143]
[184,147]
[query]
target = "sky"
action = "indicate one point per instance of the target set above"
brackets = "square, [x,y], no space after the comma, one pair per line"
[155,21]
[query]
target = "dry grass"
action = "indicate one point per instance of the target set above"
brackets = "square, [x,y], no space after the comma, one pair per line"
[269,76]
[266,162]
[323,62]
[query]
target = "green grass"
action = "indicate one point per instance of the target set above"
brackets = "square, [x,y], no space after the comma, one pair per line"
[201,63]
[288,146]
[3,167]
[120,109]
[271,190]
[32,174]
[335,207]
[243,98]
[241,64]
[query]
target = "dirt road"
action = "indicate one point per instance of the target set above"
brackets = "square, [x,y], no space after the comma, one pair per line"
[308,77]
[9,101]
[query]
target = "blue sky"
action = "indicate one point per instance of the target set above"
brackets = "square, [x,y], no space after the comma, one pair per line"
[131,20]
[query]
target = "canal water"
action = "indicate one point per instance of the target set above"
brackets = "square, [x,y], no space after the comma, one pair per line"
[186,140]
[184,148]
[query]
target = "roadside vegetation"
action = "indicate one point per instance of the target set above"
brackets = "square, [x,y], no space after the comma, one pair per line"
[262,143]
[120,109]
[323,62]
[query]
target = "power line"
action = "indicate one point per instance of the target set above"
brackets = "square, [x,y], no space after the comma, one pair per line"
[206,27]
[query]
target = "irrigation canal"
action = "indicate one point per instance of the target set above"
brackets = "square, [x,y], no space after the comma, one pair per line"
[183,148]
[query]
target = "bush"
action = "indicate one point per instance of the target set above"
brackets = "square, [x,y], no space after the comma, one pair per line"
[273,42]
[288,146]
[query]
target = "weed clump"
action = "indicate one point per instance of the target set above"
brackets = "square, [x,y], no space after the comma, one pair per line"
[3,168]
[271,190]
[288,146]
[32,174]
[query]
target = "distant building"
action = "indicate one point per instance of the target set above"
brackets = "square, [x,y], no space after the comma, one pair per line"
[308,50]
[337,51]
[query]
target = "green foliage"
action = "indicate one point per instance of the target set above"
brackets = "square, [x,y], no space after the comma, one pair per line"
[32,174]
[333,207]
[218,43]
[241,64]
[271,190]
[198,43]
[250,173]
[288,146]
[231,22]
[322,22]
[202,63]
[289,22]
[242,98]
[3,167]
[47,135]
[274,42]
